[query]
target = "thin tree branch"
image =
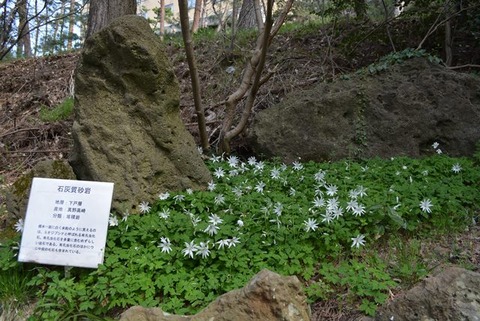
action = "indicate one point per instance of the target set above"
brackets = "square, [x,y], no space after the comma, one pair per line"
[197,98]
[437,24]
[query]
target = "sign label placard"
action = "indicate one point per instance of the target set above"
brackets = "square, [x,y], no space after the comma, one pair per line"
[66,222]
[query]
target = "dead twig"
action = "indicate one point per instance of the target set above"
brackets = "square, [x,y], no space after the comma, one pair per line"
[19,131]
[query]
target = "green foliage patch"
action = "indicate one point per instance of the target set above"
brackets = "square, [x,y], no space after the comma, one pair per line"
[319,221]
[61,112]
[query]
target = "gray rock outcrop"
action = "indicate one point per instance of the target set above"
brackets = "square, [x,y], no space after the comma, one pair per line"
[399,112]
[452,295]
[267,297]
[127,127]
[17,195]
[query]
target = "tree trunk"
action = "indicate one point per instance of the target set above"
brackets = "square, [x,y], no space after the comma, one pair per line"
[71,25]
[162,18]
[61,37]
[196,15]
[102,12]
[24,45]
[247,18]
[192,66]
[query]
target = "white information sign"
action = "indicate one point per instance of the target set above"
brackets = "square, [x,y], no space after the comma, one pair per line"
[66,222]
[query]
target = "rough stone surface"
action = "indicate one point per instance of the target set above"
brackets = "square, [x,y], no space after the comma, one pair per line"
[127,127]
[401,111]
[267,297]
[452,295]
[17,195]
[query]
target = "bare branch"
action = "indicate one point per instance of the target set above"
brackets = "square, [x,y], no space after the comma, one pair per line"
[197,98]
[437,24]
[251,80]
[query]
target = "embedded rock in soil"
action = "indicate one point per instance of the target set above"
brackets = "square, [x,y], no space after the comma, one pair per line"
[398,112]
[127,127]
[452,295]
[267,297]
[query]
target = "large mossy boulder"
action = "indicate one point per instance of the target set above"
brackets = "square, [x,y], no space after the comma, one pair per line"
[398,112]
[127,126]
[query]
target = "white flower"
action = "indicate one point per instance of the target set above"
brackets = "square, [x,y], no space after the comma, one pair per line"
[240,223]
[144,207]
[278,209]
[318,202]
[237,191]
[215,219]
[310,225]
[425,173]
[259,166]
[275,173]
[165,213]
[219,172]
[439,151]
[297,166]
[223,243]
[19,225]
[252,161]
[358,210]
[163,196]
[435,145]
[358,241]
[337,212]
[211,229]
[351,204]
[233,241]
[327,217]
[195,220]
[165,245]
[219,199]
[233,172]
[456,168]
[189,191]
[211,186]
[320,176]
[200,150]
[203,250]
[179,198]
[361,191]
[259,187]
[216,159]
[332,203]
[190,249]
[292,191]
[112,220]
[364,168]
[233,161]
[125,216]
[353,193]
[318,191]
[331,190]
[426,205]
